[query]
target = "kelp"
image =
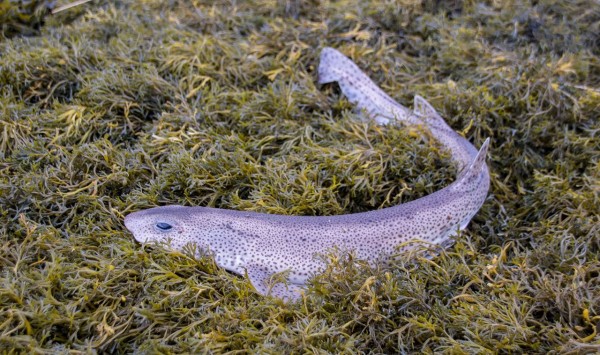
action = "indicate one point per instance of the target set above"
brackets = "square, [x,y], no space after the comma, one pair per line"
[119,106]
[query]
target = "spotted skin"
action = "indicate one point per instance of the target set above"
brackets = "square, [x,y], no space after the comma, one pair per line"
[260,245]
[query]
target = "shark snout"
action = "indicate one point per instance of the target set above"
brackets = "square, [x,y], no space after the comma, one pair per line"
[132,224]
[142,224]
[128,222]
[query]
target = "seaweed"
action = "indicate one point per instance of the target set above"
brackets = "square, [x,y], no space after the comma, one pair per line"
[23,17]
[113,107]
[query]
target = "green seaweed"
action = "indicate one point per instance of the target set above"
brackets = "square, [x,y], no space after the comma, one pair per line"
[23,17]
[120,106]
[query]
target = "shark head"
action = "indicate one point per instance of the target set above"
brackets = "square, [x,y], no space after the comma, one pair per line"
[172,224]
[210,229]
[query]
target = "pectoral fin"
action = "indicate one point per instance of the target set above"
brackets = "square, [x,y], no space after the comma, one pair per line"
[266,283]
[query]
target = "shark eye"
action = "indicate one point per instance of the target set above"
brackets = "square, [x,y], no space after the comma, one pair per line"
[164,227]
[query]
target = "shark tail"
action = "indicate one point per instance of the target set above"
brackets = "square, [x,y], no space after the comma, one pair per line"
[329,64]
[359,88]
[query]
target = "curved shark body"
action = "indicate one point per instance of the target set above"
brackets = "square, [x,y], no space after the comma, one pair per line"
[261,245]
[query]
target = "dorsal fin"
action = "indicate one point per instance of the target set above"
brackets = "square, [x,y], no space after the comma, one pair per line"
[472,172]
[423,108]
[427,113]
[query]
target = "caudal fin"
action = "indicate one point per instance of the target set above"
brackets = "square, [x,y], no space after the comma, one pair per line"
[360,89]
[331,65]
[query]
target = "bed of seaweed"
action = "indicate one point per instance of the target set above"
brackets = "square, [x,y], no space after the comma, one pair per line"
[119,106]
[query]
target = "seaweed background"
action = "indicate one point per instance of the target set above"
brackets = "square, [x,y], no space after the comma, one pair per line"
[124,105]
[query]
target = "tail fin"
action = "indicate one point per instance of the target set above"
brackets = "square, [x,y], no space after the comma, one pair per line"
[360,89]
[329,64]
[335,67]
[469,175]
